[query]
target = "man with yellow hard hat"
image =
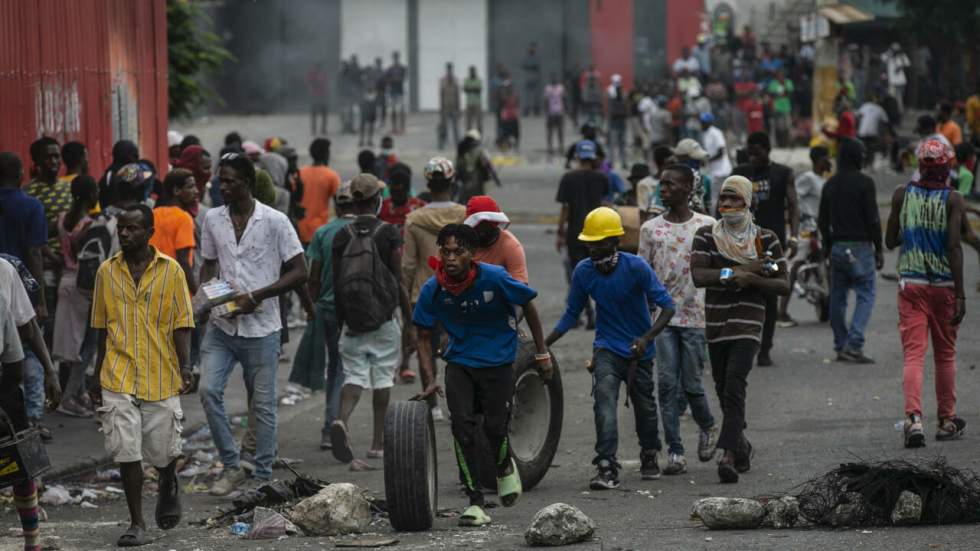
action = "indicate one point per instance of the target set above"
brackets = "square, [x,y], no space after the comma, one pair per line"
[624,289]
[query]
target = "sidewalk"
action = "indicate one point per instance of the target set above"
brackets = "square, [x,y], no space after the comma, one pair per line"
[78,445]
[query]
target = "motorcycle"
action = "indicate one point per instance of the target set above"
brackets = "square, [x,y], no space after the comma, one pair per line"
[812,276]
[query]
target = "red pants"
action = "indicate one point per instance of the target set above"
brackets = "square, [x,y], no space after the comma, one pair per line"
[925,310]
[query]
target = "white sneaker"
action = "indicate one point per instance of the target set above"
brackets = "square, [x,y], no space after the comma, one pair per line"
[437,414]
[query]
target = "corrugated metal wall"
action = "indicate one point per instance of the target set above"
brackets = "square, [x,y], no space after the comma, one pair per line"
[88,70]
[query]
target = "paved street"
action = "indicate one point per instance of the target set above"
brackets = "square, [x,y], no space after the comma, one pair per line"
[806,415]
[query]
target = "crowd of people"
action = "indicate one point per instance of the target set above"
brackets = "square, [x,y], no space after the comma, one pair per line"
[107,286]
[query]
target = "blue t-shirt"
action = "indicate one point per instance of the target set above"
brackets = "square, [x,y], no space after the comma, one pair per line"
[621,316]
[22,222]
[480,322]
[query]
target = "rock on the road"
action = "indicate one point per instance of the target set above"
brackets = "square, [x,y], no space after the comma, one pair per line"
[729,513]
[908,509]
[782,512]
[559,524]
[335,510]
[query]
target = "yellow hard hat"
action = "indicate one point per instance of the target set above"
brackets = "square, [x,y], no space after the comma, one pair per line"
[601,223]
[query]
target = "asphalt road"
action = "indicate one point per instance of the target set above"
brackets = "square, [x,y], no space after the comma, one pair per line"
[806,415]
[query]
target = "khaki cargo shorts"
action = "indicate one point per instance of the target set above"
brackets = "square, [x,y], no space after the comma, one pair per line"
[137,430]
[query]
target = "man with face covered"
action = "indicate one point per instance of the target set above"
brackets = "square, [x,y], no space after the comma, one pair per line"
[475,303]
[624,289]
[496,244]
[740,264]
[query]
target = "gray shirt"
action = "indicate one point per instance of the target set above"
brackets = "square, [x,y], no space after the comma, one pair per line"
[809,185]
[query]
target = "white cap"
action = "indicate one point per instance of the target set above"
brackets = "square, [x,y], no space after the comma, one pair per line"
[616,79]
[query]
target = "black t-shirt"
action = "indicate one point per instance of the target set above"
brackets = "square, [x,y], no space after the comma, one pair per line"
[387,239]
[582,191]
[769,184]
[396,79]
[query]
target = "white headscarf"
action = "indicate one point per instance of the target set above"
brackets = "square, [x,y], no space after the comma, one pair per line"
[735,232]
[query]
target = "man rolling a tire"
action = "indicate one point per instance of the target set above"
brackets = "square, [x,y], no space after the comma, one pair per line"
[475,304]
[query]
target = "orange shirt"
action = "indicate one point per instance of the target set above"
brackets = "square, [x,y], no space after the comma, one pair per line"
[173,230]
[320,183]
[507,253]
[951,131]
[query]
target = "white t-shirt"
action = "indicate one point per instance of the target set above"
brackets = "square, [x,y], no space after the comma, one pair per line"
[689,64]
[268,241]
[870,118]
[896,62]
[666,246]
[714,141]
[15,311]
[809,186]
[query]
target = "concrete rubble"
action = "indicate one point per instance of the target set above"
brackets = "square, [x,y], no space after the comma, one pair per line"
[335,510]
[729,513]
[908,509]
[781,513]
[559,524]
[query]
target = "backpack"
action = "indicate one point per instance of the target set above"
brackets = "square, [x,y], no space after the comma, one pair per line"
[97,247]
[366,289]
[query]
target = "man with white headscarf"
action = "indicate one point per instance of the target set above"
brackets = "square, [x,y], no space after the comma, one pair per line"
[740,264]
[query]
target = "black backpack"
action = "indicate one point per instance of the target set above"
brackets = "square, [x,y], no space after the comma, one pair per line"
[97,247]
[366,289]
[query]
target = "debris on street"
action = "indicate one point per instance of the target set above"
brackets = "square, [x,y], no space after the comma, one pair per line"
[729,513]
[559,524]
[338,509]
[269,524]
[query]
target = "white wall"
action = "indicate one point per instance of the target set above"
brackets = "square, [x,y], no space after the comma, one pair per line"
[450,31]
[374,28]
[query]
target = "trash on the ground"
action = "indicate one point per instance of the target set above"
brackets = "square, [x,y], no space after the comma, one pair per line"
[56,495]
[359,465]
[89,505]
[447,513]
[273,495]
[729,513]
[336,510]
[367,542]
[108,475]
[267,523]
[239,528]
[559,524]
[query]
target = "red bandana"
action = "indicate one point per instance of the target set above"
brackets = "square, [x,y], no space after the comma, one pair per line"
[455,287]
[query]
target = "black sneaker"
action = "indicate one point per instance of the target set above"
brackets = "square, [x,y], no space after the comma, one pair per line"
[607,478]
[913,433]
[727,472]
[743,456]
[763,360]
[649,469]
[855,356]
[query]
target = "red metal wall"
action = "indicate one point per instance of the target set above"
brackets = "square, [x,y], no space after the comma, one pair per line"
[683,26]
[88,70]
[612,38]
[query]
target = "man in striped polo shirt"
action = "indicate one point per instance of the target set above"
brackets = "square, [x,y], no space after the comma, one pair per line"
[141,308]
[741,265]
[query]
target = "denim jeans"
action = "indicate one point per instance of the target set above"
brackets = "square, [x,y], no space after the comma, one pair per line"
[259,358]
[855,272]
[609,370]
[33,384]
[680,361]
[335,370]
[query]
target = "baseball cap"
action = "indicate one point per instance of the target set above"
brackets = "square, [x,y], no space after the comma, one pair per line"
[690,148]
[707,118]
[343,195]
[364,186]
[585,149]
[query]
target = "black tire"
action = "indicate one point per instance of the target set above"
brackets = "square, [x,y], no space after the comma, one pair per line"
[411,480]
[535,424]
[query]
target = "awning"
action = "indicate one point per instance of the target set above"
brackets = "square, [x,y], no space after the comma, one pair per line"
[843,14]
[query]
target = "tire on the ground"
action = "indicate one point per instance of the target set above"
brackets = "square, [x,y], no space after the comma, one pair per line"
[411,483]
[536,421]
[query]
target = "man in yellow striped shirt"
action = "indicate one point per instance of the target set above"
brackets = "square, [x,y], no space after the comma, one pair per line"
[141,308]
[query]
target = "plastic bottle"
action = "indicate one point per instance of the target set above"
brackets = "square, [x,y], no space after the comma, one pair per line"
[240,528]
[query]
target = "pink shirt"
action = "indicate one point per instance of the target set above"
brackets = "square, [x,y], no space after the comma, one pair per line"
[65,237]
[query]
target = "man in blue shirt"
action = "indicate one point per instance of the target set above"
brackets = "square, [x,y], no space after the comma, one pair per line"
[475,304]
[624,289]
[23,228]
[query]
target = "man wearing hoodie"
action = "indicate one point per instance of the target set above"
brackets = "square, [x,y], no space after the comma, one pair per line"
[851,230]
[421,228]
